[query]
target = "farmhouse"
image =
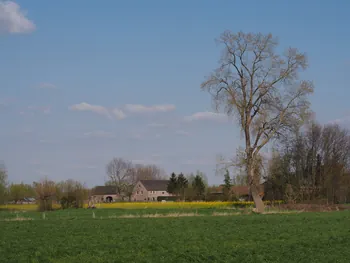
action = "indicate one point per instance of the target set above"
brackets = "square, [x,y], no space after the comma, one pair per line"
[150,190]
[104,194]
[240,191]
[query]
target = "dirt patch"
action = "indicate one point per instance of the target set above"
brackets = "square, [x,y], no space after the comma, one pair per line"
[225,214]
[159,215]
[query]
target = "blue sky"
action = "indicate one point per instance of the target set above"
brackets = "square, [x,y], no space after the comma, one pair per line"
[82,82]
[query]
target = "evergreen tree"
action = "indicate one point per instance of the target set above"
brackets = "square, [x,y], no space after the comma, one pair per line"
[182,184]
[198,187]
[172,184]
[227,185]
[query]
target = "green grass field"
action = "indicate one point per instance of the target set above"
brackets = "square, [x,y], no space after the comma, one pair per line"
[75,236]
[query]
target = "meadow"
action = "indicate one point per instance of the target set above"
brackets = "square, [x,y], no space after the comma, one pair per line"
[214,235]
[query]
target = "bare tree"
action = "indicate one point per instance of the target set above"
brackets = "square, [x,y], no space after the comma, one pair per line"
[120,174]
[3,183]
[148,172]
[46,191]
[262,89]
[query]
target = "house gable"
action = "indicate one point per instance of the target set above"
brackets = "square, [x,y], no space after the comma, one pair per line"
[150,190]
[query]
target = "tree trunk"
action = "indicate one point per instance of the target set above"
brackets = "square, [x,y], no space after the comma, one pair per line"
[259,204]
[254,189]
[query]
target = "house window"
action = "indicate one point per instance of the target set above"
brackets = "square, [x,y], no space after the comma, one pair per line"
[154,198]
[162,192]
[137,192]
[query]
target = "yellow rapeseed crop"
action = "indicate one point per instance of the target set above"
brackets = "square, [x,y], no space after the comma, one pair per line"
[151,205]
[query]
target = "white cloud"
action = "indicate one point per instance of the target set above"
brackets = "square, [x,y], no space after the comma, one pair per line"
[88,107]
[207,116]
[181,132]
[138,108]
[99,134]
[13,19]
[119,114]
[46,86]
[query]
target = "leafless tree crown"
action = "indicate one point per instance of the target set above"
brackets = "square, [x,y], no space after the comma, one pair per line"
[259,86]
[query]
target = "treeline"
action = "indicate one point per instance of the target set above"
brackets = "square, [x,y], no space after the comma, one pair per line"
[68,194]
[311,165]
[189,188]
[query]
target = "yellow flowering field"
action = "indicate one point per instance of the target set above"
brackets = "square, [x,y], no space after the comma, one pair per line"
[152,205]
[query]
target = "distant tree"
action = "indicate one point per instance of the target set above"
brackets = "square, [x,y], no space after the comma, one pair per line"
[71,194]
[190,178]
[46,193]
[148,172]
[18,192]
[203,176]
[227,185]
[3,184]
[182,184]
[198,187]
[172,187]
[121,175]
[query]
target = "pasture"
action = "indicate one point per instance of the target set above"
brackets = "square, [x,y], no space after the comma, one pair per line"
[199,235]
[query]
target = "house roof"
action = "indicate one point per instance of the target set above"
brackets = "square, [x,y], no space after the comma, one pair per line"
[104,190]
[155,185]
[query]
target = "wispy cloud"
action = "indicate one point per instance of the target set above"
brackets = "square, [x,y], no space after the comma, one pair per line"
[89,107]
[118,114]
[13,20]
[31,110]
[99,134]
[181,132]
[138,108]
[206,116]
